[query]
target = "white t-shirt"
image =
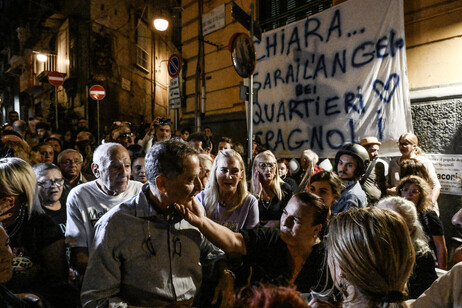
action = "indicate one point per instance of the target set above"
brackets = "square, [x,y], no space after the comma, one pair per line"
[86,204]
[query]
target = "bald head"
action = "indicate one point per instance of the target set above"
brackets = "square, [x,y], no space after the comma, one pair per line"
[20,127]
[112,168]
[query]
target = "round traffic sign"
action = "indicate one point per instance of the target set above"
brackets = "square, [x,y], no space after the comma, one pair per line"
[174,65]
[97,92]
[55,78]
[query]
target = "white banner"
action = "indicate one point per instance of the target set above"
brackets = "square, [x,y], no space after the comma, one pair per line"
[449,171]
[334,78]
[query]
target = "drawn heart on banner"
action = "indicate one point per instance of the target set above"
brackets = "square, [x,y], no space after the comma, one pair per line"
[382,89]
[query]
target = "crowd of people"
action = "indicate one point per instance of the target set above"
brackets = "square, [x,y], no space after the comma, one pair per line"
[152,217]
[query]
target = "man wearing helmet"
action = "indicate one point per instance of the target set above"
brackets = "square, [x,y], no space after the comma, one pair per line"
[350,164]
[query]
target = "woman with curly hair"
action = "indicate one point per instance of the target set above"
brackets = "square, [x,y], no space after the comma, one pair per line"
[417,190]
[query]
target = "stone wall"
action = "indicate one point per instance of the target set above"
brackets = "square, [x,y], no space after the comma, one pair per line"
[438,125]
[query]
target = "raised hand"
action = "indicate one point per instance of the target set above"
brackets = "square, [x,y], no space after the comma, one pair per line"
[6,204]
[257,188]
[192,212]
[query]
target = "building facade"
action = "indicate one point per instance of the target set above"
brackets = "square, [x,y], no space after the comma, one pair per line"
[90,42]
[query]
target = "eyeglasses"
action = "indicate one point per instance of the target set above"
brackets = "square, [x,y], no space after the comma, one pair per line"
[165,121]
[264,165]
[126,135]
[49,183]
[408,191]
[69,162]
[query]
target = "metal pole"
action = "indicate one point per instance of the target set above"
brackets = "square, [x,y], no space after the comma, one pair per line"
[97,115]
[176,118]
[249,160]
[56,107]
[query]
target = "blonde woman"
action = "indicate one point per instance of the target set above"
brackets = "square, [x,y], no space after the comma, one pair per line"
[417,190]
[370,256]
[424,272]
[272,193]
[35,239]
[408,146]
[225,196]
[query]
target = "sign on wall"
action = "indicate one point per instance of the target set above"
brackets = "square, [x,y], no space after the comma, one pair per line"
[214,19]
[334,78]
[448,168]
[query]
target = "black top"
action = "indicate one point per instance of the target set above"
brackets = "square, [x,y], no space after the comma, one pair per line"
[9,300]
[59,217]
[268,256]
[272,210]
[29,274]
[292,183]
[432,226]
[423,274]
[34,235]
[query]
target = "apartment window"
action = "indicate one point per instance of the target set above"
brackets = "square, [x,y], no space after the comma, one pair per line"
[276,13]
[142,46]
[63,48]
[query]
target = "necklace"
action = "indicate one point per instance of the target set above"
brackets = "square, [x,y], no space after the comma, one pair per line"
[18,221]
[266,204]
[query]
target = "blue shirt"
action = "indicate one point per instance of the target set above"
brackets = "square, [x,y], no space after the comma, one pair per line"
[352,196]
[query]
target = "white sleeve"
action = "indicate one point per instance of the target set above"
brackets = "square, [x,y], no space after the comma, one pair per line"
[253,217]
[432,173]
[76,234]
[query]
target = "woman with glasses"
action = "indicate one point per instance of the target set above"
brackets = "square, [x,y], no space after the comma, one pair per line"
[50,184]
[225,196]
[39,260]
[417,190]
[271,192]
[408,146]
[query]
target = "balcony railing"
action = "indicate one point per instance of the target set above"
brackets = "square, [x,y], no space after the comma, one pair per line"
[48,65]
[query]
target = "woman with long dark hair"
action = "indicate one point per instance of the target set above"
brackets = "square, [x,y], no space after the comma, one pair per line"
[417,190]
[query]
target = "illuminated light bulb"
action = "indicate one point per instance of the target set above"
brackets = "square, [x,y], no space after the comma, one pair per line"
[41,57]
[161,24]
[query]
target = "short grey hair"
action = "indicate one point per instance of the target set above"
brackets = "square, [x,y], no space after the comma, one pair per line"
[167,158]
[408,211]
[103,153]
[66,151]
[39,169]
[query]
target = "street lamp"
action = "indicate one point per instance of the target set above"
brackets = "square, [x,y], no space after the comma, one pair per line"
[160,23]
[41,57]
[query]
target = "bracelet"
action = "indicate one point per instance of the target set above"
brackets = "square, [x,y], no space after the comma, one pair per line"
[230,272]
[257,196]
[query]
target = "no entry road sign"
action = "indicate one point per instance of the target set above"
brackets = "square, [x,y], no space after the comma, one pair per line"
[97,92]
[174,65]
[55,78]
